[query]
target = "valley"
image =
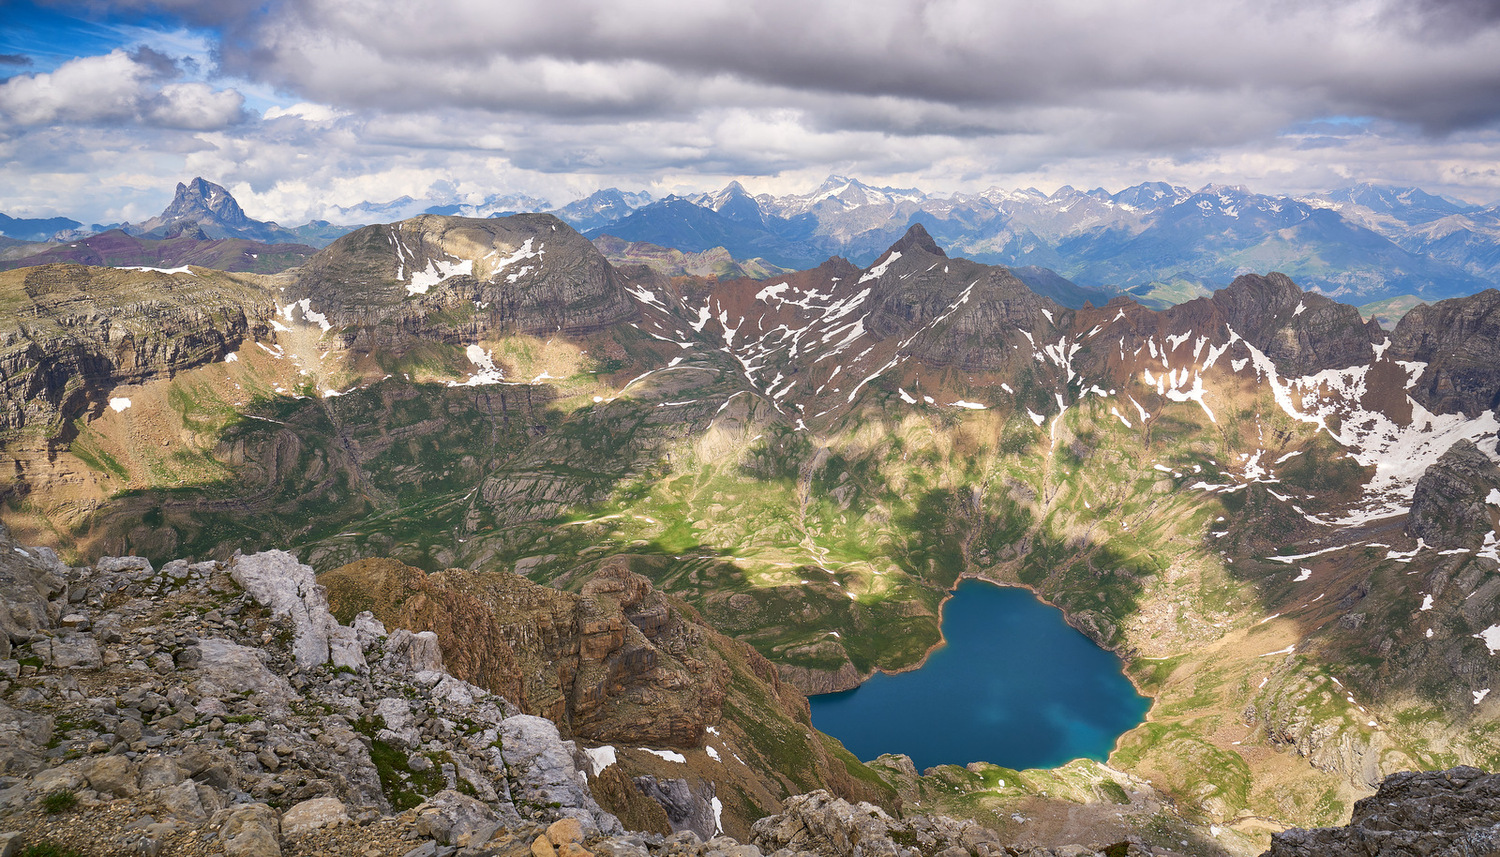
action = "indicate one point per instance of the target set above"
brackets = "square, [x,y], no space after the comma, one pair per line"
[1281,516]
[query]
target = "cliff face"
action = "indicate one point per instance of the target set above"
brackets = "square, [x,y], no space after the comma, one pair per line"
[70,334]
[619,664]
[454,278]
[1457,339]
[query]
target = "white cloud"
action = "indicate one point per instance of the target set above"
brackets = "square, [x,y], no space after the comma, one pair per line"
[113,88]
[306,111]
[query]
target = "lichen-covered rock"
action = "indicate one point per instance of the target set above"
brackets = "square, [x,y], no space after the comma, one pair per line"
[1452,812]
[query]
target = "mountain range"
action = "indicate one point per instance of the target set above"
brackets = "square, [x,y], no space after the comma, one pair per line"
[1160,243]
[1381,247]
[1284,517]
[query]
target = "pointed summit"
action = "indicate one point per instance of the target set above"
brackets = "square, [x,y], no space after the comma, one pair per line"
[210,209]
[917,239]
[203,200]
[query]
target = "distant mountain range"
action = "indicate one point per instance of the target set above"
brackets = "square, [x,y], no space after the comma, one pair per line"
[1158,242]
[1161,244]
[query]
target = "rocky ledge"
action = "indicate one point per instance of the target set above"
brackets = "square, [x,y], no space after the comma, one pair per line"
[220,708]
[1452,812]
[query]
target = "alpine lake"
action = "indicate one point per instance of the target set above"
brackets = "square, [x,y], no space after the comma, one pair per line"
[1014,686]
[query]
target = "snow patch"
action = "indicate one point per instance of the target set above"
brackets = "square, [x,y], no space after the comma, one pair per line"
[666,754]
[436,272]
[600,758]
[119,404]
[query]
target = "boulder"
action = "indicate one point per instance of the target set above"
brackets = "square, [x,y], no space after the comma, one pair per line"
[456,819]
[314,814]
[113,775]
[249,830]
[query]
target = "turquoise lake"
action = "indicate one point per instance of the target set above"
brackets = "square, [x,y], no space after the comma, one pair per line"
[1015,686]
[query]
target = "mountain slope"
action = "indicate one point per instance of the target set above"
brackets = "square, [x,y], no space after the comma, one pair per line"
[1221,491]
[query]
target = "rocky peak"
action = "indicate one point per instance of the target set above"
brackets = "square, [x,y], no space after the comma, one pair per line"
[916,240]
[1302,332]
[200,200]
[1457,339]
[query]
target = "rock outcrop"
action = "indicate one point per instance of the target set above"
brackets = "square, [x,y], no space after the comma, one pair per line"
[1450,508]
[614,663]
[1457,339]
[826,825]
[1452,812]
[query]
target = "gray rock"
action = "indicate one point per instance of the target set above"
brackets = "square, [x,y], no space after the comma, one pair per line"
[112,775]
[1455,812]
[226,668]
[23,736]
[545,773]
[159,772]
[277,580]
[415,653]
[686,810]
[314,814]
[368,630]
[452,818]
[182,801]
[130,565]
[832,826]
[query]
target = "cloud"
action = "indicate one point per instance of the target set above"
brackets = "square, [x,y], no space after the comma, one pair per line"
[1367,57]
[121,86]
[356,100]
[15,59]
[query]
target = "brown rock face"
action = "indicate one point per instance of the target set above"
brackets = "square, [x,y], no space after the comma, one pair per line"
[615,663]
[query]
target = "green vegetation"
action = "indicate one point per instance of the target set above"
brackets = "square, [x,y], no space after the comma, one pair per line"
[60,800]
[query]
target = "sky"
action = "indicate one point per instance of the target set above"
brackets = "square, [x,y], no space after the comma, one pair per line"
[299,107]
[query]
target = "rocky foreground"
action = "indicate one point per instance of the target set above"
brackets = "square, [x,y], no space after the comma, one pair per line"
[210,708]
[217,708]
